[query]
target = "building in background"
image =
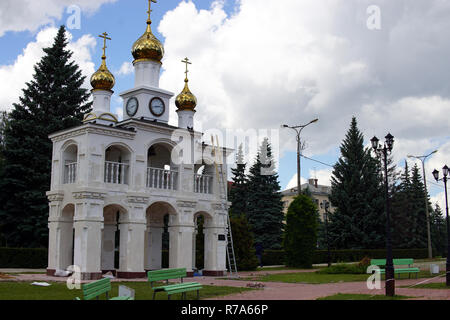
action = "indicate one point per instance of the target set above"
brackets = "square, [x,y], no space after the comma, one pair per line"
[318,192]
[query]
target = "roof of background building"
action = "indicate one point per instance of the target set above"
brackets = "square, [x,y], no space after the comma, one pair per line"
[314,188]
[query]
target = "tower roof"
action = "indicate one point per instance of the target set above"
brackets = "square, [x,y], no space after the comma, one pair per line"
[103,79]
[186,100]
[148,47]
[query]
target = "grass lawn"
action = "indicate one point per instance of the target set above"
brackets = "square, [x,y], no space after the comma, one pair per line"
[341,296]
[438,285]
[313,277]
[59,291]
[318,278]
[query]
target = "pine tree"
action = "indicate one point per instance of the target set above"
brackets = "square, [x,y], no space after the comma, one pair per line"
[438,231]
[265,206]
[401,209]
[301,232]
[238,192]
[418,223]
[357,194]
[54,100]
[3,124]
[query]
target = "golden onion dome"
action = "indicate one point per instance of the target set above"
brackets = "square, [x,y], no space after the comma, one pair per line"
[186,100]
[148,47]
[103,79]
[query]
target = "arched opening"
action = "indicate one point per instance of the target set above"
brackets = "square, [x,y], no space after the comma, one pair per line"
[70,161]
[204,178]
[162,173]
[110,259]
[157,239]
[201,221]
[117,165]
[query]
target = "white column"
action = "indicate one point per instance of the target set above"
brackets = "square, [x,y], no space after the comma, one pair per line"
[215,249]
[132,236]
[147,73]
[108,246]
[102,101]
[88,224]
[185,119]
[153,247]
[88,239]
[181,231]
[132,226]
[60,245]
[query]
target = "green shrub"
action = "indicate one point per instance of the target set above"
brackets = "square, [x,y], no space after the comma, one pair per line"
[301,232]
[23,258]
[273,257]
[277,257]
[243,241]
[343,268]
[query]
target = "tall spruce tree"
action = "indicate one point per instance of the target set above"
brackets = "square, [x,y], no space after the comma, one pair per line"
[238,192]
[438,228]
[357,194]
[417,224]
[3,124]
[54,100]
[265,207]
[401,209]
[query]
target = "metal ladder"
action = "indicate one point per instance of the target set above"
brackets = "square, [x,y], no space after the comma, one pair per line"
[220,175]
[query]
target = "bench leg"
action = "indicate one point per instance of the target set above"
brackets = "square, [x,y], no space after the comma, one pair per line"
[168,297]
[198,294]
[154,295]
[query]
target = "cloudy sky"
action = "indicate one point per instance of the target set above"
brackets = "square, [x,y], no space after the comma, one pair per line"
[259,64]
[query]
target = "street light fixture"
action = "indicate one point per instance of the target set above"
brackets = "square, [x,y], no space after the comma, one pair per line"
[427,212]
[326,205]
[384,151]
[444,179]
[298,130]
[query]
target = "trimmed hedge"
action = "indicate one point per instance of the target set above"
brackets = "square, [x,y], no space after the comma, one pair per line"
[276,257]
[23,258]
[38,258]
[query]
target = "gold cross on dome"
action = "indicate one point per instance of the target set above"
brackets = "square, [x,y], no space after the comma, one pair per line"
[105,37]
[150,7]
[186,61]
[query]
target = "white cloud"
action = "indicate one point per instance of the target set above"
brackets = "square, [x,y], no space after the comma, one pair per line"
[269,64]
[30,15]
[323,176]
[125,69]
[14,76]
[293,182]
[440,200]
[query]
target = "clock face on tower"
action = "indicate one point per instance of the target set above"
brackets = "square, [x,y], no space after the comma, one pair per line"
[157,107]
[132,106]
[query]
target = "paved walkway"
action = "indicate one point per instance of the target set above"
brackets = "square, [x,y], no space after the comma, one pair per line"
[284,291]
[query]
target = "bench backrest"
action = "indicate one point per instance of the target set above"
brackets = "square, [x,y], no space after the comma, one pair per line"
[378,262]
[402,262]
[96,288]
[166,274]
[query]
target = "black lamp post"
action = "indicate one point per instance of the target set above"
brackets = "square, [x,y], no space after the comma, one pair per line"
[436,176]
[326,205]
[384,151]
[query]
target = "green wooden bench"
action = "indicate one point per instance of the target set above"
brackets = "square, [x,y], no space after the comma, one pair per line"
[166,275]
[94,290]
[397,262]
